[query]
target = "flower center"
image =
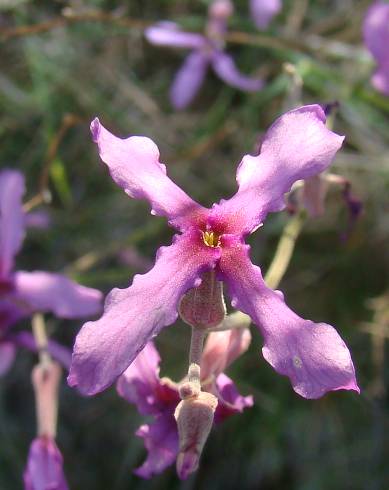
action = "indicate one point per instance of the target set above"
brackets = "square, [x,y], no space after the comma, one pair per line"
[211,239]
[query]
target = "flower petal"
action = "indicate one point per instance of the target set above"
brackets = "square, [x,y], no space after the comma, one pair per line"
[224,66]
[221,349]
[297,146]
[134,165]
[188,79]
[7,356]
[376,35]
[133,316]
[11,218]
[44,469]
[313,355]
[161,441]
[140,384]
[262,11]
[169,34]
[230,401]
[44,291]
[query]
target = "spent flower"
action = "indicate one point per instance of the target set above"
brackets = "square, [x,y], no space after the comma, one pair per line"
[159,397]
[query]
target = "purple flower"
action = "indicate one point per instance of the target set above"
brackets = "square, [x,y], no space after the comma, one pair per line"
[23,293]
[376,35]
[208,50]
[141,385]
[263,11]
[297,146]
[44,469]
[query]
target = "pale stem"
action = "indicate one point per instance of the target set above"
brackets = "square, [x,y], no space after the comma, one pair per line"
[196,349]
[284,250]
[40,336]
[46,382]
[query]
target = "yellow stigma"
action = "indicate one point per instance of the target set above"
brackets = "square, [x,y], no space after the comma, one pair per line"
[211,239]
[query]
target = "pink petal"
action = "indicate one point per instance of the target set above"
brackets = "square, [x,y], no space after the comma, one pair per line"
[133,316]
[376,35]
[44,291]
[169,34]
[297,146]
[221,349]
[44,469]
[312,354]
[140,384]
[224,66]
[188,79]
[230,401]
[262,11]
[7,356]
[380,79]
[11,218]
[161,441]
[134,165]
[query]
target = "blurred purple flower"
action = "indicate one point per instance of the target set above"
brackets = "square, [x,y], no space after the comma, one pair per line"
[141,385]
[44,469]
[263,11]
[208,50]
[376,35]
[297,146]
[23,293]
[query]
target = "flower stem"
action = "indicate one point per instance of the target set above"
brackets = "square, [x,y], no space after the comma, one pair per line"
[40,335]
[191,387]
[285,250]
[196,349]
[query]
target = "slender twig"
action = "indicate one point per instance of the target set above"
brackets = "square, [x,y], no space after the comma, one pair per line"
[284,250]
[43,195]
[310,44]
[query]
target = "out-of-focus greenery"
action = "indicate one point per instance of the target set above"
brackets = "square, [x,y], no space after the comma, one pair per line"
[89,68]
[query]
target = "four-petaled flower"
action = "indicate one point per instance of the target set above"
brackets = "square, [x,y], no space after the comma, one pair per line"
[297,146]
[208,50]
[23,293]
[140,384]
[376,34]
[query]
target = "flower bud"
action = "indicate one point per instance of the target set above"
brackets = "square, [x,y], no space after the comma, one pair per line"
[204,307]
[221,9]
[194,418]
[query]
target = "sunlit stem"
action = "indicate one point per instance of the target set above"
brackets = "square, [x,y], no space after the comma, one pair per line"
[284,250]
[41,340]
[192,385]
[196,349]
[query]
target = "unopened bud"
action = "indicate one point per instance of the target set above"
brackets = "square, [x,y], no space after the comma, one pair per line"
[221,9]
[194,418]
[204,307]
